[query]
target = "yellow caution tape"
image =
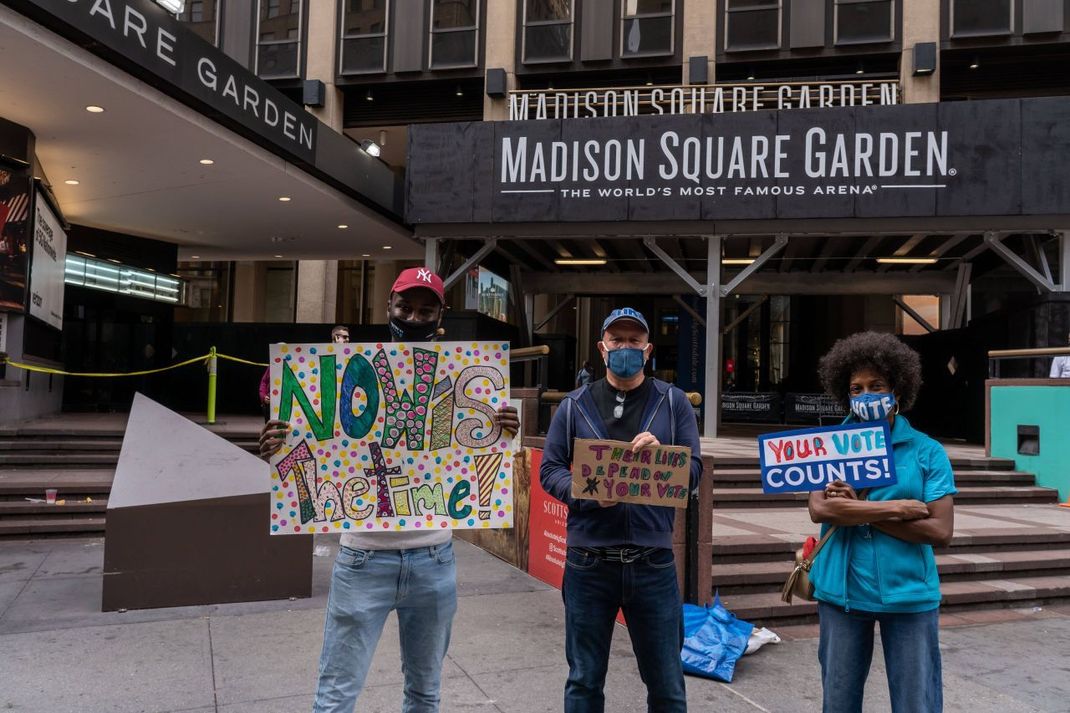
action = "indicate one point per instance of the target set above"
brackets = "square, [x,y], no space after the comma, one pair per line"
[99,375]
[241,361]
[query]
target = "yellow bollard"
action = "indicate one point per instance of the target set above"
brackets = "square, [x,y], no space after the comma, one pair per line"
[213,366]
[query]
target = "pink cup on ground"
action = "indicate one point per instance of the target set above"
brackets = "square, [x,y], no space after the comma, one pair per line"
[50,496]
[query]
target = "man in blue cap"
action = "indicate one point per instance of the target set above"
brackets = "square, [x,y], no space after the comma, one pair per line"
[620,555]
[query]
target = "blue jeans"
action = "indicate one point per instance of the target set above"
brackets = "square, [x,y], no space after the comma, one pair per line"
[646,590]
[421,584]
[911,657]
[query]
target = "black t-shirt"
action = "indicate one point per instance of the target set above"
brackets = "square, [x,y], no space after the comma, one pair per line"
[629,425]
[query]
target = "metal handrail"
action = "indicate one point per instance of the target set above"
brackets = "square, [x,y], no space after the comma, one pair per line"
[556,397]
[995,356]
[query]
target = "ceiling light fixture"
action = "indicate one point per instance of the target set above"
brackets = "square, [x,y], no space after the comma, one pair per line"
[94,109]
[72,182]
[371,148]
[976,63]
[737,261]
[175,7]
[906,260]
[388,247]
[365,255]
[579,261]
[458,91]
[368,96]
[195,257]
[278,256]
[207,162]
[284,199]
[343,226]
[861,69]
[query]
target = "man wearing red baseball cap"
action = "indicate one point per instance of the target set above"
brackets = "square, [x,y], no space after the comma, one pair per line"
[412,573]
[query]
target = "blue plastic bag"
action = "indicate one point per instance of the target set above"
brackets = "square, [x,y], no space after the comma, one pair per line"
[714,639]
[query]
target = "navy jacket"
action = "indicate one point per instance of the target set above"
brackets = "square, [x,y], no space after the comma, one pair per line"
[669,416]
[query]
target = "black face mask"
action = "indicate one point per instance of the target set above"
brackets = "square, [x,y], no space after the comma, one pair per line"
[404,330]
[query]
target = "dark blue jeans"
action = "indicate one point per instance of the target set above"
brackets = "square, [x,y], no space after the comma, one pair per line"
[647,592]
[911,657]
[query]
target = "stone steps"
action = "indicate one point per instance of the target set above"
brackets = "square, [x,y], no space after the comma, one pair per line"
[78,464]
[47,525]
[751,577]
[71,506]
[766,609]
[742,497]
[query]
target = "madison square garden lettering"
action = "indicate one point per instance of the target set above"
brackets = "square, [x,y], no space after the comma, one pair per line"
[981,158]
[613,168]
[387,437]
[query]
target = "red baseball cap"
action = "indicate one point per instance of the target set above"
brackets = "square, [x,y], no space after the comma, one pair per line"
[420,277]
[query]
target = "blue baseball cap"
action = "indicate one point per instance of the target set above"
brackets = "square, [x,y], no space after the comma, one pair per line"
[625,313]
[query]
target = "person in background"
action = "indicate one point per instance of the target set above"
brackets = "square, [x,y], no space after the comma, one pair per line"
[411,572]
[339,335]
[583,377]
[1060,366]
[878,567]
[619,556]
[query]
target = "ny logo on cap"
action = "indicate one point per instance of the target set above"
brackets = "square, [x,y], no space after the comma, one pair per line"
[424,274]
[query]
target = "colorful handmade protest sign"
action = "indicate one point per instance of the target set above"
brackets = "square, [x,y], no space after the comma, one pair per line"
[609,470]
[809,459]
[391,436]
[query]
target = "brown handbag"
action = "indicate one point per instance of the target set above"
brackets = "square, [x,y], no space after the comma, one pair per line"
[798,583]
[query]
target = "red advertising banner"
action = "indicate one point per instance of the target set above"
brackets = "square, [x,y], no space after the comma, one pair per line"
[546,530]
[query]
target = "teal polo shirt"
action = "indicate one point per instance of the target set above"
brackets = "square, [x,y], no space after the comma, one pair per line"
[863,568]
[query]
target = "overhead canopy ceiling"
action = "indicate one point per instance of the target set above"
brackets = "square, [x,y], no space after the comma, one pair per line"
[138,164]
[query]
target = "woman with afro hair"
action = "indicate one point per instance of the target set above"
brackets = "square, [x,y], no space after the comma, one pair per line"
[878,567]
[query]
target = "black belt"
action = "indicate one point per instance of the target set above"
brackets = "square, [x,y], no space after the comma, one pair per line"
[624,555]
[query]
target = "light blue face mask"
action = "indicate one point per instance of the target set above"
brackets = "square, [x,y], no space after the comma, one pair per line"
[873,407]
[625,363]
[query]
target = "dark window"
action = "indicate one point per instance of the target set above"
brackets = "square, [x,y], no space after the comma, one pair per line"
[200,16]
[859,21]
[752,25]
[454,33]
[646,27]
[548,30]
[981,17]
[364,27]
[278,45]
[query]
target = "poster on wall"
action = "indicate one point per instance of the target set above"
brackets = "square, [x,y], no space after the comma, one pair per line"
[392,436]
[14,230]
[47,264]
[547,531]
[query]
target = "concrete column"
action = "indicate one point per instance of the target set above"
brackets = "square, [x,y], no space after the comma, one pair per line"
[382,280]
[921,23]
[249,284]
[500,42]
[317,291]
[317,280]
[322,60]
[700,33]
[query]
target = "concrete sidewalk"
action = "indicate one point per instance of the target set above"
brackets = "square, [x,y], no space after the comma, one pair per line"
[59,653]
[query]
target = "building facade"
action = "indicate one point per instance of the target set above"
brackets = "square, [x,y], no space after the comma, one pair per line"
[376,77]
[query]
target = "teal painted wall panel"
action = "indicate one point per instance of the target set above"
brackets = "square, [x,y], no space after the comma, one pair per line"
[1047,407]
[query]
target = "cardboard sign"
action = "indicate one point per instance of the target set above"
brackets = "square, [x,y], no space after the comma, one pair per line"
[859,454]
[608,470]
[390,436]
